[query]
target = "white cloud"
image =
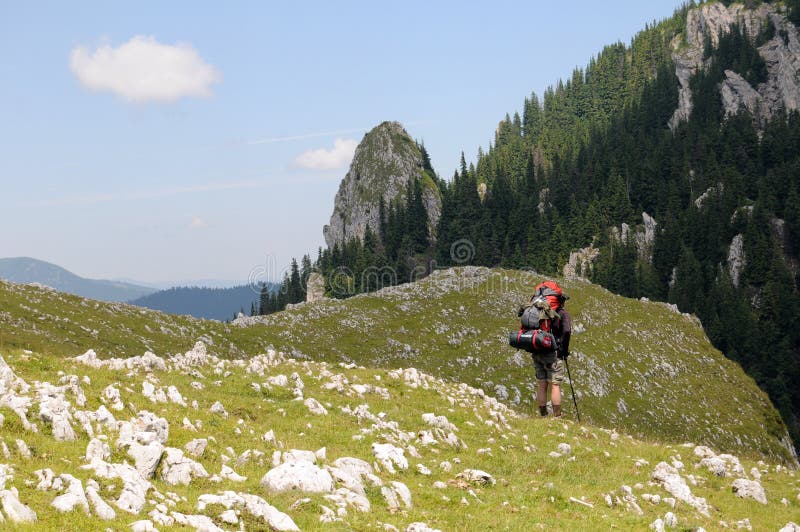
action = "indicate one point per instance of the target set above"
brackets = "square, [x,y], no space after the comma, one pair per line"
[197,223]
[144,70]
[337,157]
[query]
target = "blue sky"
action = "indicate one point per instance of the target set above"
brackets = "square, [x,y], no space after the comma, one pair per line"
[229,163]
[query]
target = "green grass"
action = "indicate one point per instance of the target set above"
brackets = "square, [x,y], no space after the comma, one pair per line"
[637,366]
[532,489]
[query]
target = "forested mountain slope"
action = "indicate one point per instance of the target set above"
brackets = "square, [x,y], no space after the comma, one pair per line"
[673,165]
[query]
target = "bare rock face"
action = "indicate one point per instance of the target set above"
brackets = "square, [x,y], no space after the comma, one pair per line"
[384,163]
[315,287]
[736,258]
[580,262]
[737,93]
[780,92]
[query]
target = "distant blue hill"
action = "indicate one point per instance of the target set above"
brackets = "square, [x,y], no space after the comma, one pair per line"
[25,270]
[210,303]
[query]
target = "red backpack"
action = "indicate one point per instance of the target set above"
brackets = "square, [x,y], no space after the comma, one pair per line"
[537,315]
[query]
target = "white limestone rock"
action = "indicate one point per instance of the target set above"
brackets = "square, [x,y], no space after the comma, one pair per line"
[229,517]
[175,396]
[101,508]
[252,504]
[97,449]
[134,488]
[397,496]
[14,510]
[229,474]
[75,496]
[202,523]
[146,457]
[178,469]
[419,526]
[196,447]
[315,407]
[55,411]
[344,498]
[676,486]
[476,476]
[217,408]
[298,455]
[749,489]
[143,526]
[390,457]
[301,476]
[440,422]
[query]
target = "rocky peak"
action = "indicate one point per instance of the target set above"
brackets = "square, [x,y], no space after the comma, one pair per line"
[781,91]
[385,161]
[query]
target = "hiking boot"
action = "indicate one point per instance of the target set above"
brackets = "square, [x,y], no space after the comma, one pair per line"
[543,411]
[556,410]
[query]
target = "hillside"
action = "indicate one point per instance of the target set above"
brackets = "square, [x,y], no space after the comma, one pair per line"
[667,168]
[27,270]
[269,442]
[209,303]
[632,362]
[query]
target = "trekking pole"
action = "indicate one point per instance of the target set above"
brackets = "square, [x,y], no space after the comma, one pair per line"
[574,400]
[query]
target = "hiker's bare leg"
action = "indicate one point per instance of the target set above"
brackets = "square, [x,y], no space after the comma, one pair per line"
[541,397]
[555,397]
[555,393]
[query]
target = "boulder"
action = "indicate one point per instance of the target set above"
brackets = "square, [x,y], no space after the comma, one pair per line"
[196,447]
[101,508]
[75,496]
[476,476]
[146,457]
[178,469]
[300,476]
[14,510]
[749,489]
[390,457]
[676,486]
[315,287]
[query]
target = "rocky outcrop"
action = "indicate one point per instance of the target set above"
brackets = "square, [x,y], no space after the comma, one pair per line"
[386,160]
[737,93]
[315,287]
[780,92]
[736,258]
[581,262]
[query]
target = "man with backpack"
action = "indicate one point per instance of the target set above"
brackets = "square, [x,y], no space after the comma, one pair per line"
[546,313]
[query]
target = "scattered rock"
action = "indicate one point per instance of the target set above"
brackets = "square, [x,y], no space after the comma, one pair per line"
[390,457]
[14,510]
[217,408]
[178,469]
[196,447]
[749,489]
[301,475]
[476,476]
[676,486]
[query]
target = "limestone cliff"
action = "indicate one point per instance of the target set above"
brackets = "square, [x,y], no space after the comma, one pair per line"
[384,163]
[781,90]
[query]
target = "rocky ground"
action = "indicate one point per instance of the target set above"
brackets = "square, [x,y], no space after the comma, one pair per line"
[193,441]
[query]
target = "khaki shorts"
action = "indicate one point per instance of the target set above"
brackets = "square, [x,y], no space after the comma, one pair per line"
[549,368]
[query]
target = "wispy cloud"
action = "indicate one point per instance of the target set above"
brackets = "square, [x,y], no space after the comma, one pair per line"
[305,136]
[337,157]
[144,70]
[197,223]
[318,134]
[164,192]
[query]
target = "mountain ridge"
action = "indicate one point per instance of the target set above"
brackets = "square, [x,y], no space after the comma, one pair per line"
[30,270]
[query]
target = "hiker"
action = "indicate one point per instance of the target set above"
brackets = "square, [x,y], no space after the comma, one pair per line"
[552,317]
